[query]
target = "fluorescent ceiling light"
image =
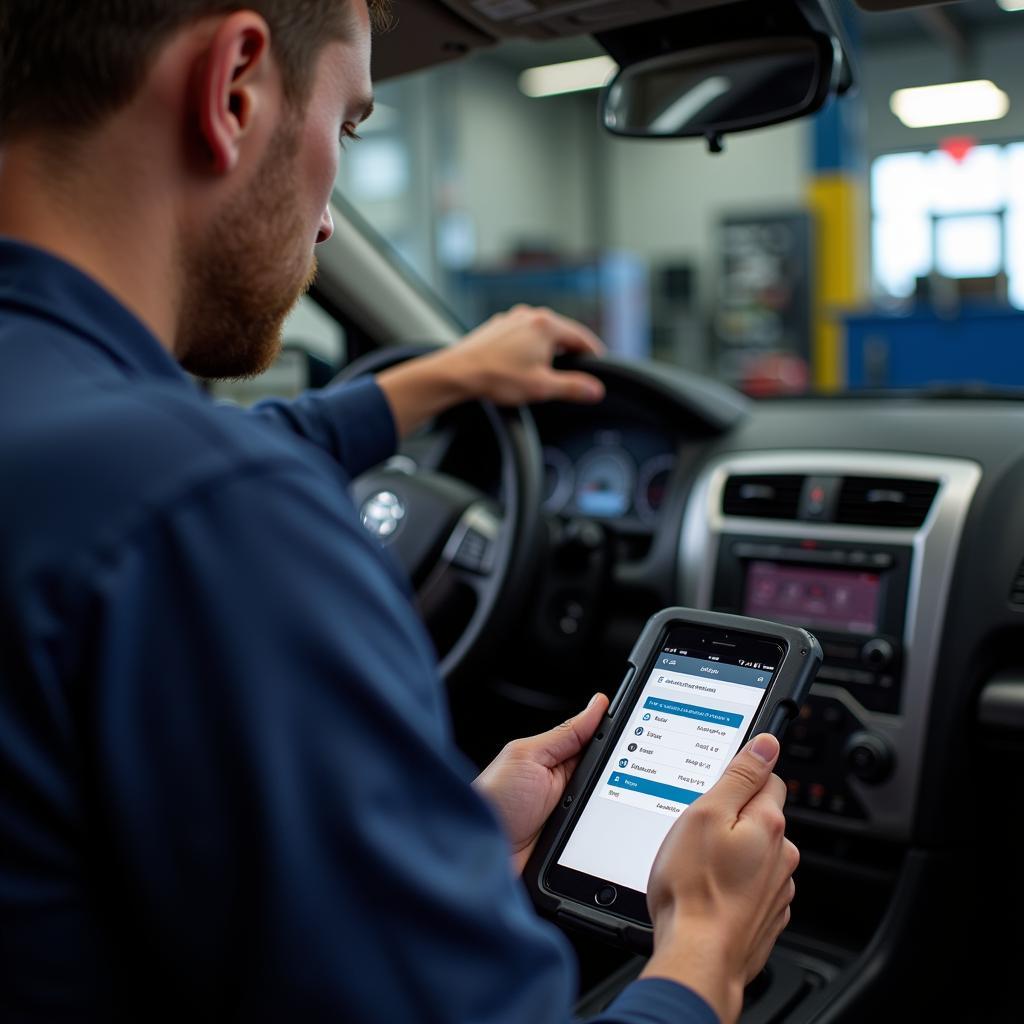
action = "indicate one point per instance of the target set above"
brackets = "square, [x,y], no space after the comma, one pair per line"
[955,103]
[1011,5]
[573,76]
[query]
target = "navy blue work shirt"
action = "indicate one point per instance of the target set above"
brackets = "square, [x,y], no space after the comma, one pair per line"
[228,789]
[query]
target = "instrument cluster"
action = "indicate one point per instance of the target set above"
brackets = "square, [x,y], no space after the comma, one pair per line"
[610,474]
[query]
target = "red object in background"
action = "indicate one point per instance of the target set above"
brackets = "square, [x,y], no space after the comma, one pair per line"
[958,147]
[776,373]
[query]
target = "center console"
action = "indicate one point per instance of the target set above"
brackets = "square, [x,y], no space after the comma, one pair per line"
[858,548]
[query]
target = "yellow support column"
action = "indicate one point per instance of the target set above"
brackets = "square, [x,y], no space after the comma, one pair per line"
[839,205]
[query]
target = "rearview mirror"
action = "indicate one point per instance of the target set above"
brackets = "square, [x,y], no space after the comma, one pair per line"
[729,87]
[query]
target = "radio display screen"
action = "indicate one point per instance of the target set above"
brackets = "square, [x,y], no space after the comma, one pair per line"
[842,600]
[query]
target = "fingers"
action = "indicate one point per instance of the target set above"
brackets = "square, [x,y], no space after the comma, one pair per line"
[775,922]
[574,386]
[747,774]
[766,943]
[573,337]
[508,359]
[565,741]
[786,896]
[779,909]
[790,856]
[570,335]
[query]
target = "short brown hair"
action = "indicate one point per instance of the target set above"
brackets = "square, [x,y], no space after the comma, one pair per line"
[66,64]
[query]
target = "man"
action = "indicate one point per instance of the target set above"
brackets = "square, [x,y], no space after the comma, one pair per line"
[227,785]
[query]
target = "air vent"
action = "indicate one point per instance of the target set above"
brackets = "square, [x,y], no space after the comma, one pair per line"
[1017,590]
[885,501]
[766,497]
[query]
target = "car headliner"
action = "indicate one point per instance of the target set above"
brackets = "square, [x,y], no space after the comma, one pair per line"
[429,32]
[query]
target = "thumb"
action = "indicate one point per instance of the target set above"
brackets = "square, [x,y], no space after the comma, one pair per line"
[574,386]
[747,773]
[565,741]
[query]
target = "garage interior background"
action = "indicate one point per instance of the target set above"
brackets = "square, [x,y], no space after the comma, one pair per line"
[756,266]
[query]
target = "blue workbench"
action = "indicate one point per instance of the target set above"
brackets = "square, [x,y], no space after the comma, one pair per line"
[976,345]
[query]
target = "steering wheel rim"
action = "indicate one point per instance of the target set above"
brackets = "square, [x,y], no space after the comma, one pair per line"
[500,577]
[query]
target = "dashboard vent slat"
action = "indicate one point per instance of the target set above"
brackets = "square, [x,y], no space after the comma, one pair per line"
[885,501]
[764,497]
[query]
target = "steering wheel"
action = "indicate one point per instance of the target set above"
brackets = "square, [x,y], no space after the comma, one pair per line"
[470,557]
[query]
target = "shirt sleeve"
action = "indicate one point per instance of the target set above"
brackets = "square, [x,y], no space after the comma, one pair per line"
[286,831]
[352,422]
[657,1001]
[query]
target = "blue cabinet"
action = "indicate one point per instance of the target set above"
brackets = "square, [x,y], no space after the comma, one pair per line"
[976,345]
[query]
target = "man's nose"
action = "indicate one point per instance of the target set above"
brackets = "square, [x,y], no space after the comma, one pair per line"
[326,226]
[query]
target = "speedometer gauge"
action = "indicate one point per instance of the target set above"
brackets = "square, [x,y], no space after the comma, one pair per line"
[604,483]
[652,486]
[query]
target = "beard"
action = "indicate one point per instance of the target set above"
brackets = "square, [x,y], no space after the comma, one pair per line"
[240,281]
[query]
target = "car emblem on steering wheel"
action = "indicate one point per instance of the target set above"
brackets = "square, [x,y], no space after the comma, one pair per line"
[382,514]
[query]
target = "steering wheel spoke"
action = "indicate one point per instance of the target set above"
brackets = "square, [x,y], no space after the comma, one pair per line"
[470,554]
[469,560]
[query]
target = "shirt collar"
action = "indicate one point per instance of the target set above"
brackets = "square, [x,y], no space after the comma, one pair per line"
[39,283]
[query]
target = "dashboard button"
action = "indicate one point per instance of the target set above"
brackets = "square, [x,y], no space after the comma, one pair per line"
[818,499]
[869,757]
[878,653]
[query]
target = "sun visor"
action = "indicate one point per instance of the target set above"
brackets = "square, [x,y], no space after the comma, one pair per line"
[555,19]
[425,33]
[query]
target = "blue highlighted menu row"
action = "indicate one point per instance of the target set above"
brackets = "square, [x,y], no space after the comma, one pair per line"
[673,707]
[638,785]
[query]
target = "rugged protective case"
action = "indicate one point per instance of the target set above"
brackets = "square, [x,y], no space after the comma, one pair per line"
[800,664]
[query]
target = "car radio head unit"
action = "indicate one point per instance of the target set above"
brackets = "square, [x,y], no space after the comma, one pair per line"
[839,600]
[859,548]
[854,597]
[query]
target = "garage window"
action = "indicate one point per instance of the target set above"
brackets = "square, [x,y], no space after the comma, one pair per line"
[958,214]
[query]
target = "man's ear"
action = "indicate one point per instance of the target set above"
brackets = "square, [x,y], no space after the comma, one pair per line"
[230,85]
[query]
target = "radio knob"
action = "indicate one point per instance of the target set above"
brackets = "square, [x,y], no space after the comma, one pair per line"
[877,653]
[869,757]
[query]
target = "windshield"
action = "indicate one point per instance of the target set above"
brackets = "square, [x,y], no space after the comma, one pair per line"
[848,252]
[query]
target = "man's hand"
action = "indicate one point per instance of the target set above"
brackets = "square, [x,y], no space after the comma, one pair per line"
[526,780]
[507,360]
[721,885]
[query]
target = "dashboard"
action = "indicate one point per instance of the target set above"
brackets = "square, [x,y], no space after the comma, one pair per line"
[891,528]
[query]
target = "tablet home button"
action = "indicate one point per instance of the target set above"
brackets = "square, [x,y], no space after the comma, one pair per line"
[605,896]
